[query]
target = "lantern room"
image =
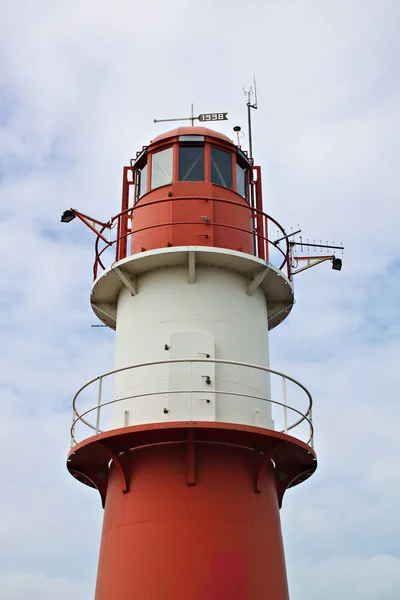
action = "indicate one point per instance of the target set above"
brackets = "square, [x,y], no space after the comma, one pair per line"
[191,187]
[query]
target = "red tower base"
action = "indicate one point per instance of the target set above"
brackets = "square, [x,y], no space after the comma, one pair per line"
[192,510]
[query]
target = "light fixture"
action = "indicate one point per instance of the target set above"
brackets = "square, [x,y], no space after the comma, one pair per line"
[336,264]
[237,129]
[68,216]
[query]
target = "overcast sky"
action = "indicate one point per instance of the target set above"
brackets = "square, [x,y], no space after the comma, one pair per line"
[80,84]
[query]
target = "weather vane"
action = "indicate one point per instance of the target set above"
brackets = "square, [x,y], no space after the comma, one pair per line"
[203,117]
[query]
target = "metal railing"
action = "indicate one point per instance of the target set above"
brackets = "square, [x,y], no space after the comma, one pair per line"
[302,416]
[122,224]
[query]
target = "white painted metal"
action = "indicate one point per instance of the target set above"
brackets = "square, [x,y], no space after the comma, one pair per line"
[257,280]
[192,266]
[284,404]
[189,319]
[127,280]
[269,279]
[193,406]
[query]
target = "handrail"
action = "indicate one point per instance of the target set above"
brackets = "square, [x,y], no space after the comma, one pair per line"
[254,212]
[304,416]
[159,393]
[264,239]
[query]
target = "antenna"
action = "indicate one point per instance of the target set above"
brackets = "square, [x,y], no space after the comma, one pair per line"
[249,93]
[311,260]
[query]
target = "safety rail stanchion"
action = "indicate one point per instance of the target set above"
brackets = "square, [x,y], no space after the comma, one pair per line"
[311,428]
[284,404]
[99,394]
[74,416]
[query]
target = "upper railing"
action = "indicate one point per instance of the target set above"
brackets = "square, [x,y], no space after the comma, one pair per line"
[266,246]
[94,415]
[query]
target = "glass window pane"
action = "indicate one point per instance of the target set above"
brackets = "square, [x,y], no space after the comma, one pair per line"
[221,167]
[241,180]
[191,163]
[161,168]
[142,181]
[191,138]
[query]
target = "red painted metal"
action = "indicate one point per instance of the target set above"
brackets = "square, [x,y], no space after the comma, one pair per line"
[262,224]
[207,229]
[194,510]
[174,134]
[123,219]
[191,213]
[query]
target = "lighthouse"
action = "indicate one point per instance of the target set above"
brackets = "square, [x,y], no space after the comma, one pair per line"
[192,438]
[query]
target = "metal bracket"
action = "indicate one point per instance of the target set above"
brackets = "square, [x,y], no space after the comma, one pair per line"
[311,262]
[191,459]
[121,469]
[192,266]
[257,281]
[104,309]
[265,462]
[274,315]
[127,279]
[95,481]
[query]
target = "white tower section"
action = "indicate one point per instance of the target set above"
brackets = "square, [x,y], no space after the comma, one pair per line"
[179,309]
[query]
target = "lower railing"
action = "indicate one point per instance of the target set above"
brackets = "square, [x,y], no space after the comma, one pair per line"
[296,419]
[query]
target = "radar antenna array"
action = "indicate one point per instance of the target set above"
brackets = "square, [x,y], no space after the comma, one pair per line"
[310,260]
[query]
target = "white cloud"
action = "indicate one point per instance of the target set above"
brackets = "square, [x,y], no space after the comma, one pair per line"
[15,585]
[366,579]
[80,84]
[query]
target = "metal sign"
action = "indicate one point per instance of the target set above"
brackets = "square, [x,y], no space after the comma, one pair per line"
[213,117]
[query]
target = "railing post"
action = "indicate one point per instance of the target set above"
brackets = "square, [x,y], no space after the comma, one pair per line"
[73,428]
[100,391]
[261,221]
[311,428]
[191,388]
[284,404]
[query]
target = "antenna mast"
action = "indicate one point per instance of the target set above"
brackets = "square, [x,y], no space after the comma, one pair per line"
[251,105]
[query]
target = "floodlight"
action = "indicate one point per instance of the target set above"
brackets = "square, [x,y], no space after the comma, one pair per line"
[336,264]
[68,216]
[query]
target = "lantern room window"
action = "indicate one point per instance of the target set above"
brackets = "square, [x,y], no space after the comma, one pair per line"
[221,167]
[191,163]
[161,168]
[141,181]
[241,180]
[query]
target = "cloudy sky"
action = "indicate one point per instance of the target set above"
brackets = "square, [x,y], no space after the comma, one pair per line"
[80,84]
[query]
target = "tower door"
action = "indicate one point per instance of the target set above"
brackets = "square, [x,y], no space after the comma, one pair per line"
[191,385]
